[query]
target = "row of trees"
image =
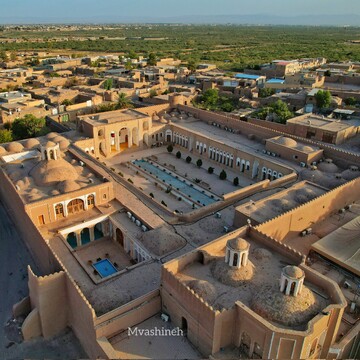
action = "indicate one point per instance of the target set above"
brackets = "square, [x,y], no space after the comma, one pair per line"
[26,127]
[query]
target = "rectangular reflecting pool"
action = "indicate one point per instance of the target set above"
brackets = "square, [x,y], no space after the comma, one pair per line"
[105,268]
[181,185]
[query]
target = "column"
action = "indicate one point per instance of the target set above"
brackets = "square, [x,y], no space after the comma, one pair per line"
[245,259]
[282,284]
[117,141]
[288,288]
[227,252]
[130,142]
[231,258]
[78,238]
[92,234]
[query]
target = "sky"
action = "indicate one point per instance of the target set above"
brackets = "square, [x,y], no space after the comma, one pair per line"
[101,9]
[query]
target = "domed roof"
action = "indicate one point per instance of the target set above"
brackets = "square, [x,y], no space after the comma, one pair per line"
[15,147]
[161,240]
[305,148]
[291,311]
[31,143]
[231,276]
[304,195]
[67,186]
[49,173]
[282,204]
[204,289]
[52,135]
[286,141]
[328,166]
[49,144]
[57,139]
[238,244]
[64,144]
[293,272]
[347,174]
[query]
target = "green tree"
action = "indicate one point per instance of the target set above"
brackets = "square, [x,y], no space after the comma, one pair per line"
[108,84]
[122,102]
[128,65]
[178,154]
[13,56]
[3,56]
[266,92]
[5,136]
[236,181]
[210,97]
[170,148]
[323,99]
[223,175]
[152,59]
[350,101]
[28,126]
[67,102]
[327,73]
[210,170]
[153,93]
[192,65]
[199,163]
[188,159]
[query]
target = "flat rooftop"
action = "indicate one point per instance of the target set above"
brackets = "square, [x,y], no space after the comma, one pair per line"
[342,246]
[111,117]
[321,123]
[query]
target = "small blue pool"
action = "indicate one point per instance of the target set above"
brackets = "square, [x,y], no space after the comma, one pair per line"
[105,268]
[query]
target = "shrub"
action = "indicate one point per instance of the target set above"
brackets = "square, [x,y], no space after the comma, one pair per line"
[188,159]
[210,170]
[121,174]
[170,148]
[152,195]
[130,181]
[178,154]
[199,163]
[223,175]
[236,181]
[197,180]
[179,198]
[164,203]
[113,169]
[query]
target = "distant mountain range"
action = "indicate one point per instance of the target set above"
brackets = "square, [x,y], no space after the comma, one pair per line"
[313,20]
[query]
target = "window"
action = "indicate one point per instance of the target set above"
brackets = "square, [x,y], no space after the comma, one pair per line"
[41,220]
[59,210]
[104,196]
[91,201]
[75,206]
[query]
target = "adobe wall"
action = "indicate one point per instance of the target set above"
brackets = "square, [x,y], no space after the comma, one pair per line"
[28,231]
[180,302]
[48,295]
[128,315]
[151,110]
[296,220]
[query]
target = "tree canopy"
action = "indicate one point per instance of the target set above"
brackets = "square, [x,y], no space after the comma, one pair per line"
[278,110]
[5,136]
[323,99]
[28,126]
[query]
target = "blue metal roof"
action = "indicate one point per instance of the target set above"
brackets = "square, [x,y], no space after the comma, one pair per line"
[247,76]
[276,81]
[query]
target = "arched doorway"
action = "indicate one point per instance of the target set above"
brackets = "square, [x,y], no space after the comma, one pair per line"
[71,240]
[75,206]
[124,138]
[146,139]
[184,325]
[98,233]
[120,237]
[102,148]
[85,236]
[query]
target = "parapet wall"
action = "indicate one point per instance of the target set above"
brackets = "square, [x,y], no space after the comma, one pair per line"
[151,110]
[304,216]
[128,315]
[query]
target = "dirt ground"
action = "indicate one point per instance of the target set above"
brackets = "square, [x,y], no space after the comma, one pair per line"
[14,258]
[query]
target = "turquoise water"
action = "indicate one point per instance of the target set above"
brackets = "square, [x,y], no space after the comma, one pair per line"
[196,195]
[105,268]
